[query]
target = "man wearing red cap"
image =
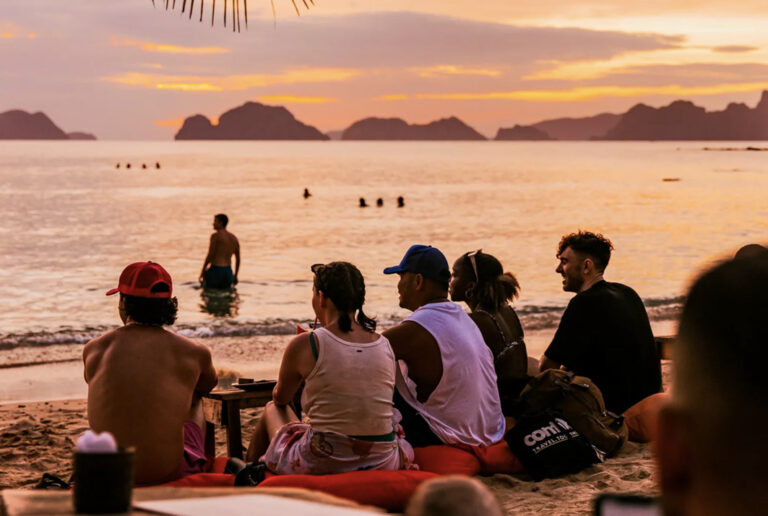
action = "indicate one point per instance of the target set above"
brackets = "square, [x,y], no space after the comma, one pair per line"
[145,382]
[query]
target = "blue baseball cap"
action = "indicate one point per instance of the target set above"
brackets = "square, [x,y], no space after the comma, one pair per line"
[425,260]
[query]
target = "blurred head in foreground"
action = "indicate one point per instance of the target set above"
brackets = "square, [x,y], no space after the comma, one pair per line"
[453,496]
[712,450]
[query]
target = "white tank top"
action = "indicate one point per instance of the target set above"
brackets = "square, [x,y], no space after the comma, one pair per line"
[464,407]
[350,389]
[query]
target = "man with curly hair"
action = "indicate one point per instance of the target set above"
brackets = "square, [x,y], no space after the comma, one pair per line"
[145,382]
[604,333]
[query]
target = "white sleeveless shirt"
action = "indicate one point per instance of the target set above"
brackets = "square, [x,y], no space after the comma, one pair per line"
[464,407]
[350,389]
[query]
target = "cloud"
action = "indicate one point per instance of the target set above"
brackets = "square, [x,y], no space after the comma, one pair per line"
[442,70]
[440,46]
[734,49]
[593,92]
[543,9]
[388,98]
[686,75]
[16,35]
[296,99]
[228,82]
[147,46]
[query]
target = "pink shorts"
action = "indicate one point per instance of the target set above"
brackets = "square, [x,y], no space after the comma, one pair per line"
[194,460]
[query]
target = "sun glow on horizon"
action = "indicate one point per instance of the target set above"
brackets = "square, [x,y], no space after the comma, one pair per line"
[176,122]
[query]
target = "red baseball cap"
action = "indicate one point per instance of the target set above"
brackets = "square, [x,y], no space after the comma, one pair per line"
[139,278]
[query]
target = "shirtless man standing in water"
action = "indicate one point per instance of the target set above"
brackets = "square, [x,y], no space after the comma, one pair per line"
[217,267]
[145,383]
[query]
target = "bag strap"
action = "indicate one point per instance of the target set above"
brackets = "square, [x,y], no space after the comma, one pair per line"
[505,345]
[313,344]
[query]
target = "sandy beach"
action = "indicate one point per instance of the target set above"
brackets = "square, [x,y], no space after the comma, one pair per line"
[38,437]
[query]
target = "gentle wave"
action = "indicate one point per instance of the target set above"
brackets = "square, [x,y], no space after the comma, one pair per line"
[532,317]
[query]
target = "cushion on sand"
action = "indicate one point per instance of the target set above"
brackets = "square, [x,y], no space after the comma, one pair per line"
[446,460]
[642,417]
[387,489]
[496,458]
[203,480]
[214,476]
[468,460]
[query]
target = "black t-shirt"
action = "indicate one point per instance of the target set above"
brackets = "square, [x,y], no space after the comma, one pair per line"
[605,335]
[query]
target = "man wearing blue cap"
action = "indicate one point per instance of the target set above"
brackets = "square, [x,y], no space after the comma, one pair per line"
[446,392]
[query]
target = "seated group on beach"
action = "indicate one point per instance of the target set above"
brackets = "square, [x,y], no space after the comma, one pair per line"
[441,376]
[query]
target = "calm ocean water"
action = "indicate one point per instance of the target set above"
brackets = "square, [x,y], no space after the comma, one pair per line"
[70,221]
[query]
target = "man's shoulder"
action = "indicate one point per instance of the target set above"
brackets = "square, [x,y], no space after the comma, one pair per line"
[432,309]
[621,291]
[101,342]
[186,342]
[407,327]
[605,289]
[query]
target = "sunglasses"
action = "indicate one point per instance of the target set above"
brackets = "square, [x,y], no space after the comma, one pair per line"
[316,269]
[473,261]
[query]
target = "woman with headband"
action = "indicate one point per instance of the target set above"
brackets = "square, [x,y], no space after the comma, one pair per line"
[479,280]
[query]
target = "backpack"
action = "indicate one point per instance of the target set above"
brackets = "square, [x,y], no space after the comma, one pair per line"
[549,446]
[580,401]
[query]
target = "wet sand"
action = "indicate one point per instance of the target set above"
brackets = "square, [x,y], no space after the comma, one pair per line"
[39,437]
[55,372]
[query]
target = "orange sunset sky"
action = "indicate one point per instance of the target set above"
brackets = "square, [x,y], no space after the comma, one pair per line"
[122,69]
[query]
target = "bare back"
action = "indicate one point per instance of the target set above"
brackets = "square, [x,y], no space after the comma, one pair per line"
[223,245]
[142,383]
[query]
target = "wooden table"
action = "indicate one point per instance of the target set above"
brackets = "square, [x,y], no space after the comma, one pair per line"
[222,407]
[33,502]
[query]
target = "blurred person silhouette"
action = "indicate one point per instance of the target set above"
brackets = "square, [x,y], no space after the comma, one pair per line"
[453,495]
[711,448]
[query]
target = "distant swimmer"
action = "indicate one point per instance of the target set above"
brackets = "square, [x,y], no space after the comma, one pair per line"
[307,195]
[127,165]
[144,166]
[217,267]
[117,166]
[379,202]
[157,165]
[363,204]
[400,202]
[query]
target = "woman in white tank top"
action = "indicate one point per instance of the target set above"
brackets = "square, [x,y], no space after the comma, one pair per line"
[348,372]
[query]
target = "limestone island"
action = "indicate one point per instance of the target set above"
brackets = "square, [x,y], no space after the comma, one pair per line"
[398,129]
[251,121]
